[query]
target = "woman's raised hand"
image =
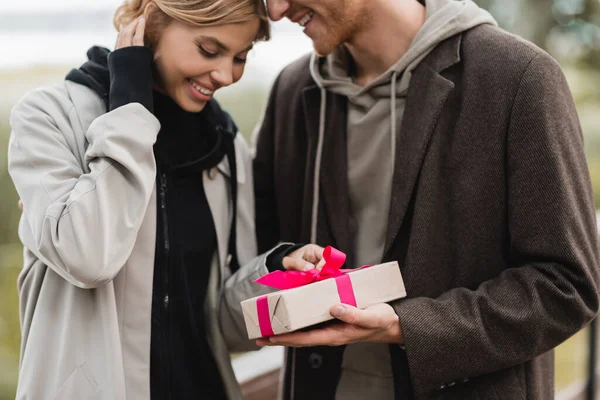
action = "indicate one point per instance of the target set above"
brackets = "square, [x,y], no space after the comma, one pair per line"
[132,34]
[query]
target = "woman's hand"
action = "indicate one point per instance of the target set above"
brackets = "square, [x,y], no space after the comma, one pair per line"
[305,258]
[132,34]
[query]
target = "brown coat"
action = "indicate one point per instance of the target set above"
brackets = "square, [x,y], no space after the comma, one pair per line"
[491,218]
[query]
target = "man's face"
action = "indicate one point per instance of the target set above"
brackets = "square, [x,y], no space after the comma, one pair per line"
[329,23]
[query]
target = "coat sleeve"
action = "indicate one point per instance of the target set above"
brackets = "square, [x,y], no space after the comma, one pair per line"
[81,221]
[550,290]
[241,286]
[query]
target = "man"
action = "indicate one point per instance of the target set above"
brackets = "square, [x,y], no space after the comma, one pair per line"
[425,134]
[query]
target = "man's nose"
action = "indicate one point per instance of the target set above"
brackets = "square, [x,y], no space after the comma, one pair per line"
[277,9]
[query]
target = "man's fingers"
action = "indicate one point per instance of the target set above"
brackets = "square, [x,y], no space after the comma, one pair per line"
[263,342]
[351,315]
[345,313]
[315,337]
[138,37]
[20,204]
[296,264]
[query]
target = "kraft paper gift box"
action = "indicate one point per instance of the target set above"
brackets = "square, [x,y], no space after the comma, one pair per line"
[308,296]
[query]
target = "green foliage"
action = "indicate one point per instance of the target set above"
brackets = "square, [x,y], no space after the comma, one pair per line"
[245,106]
[10,265]
[8,200]
[571,360]
[594,165]
[568,29]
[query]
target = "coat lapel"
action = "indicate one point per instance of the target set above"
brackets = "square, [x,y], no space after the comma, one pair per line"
[334,162]
[217,195]
[428,93]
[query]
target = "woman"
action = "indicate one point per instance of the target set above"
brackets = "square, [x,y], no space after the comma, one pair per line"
[130,174]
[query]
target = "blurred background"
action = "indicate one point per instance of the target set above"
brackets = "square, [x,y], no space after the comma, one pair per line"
[41,40]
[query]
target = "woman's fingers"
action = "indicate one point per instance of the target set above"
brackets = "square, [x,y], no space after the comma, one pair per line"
[304,258]
[312,253]
[138,37]
[125,37]
[296,264]
[128,33]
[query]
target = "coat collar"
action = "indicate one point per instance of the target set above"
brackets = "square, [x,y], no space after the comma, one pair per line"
[421,116]
[218,194]
[224,168]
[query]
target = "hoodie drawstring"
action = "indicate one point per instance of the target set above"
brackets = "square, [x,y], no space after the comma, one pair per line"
[394,121]
[317,175]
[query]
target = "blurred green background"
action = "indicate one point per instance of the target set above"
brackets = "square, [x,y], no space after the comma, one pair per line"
[567,29]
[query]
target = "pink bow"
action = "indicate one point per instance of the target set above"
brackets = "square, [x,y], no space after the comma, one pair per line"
[334,259]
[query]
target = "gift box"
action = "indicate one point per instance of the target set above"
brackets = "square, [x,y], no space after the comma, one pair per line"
[307,297]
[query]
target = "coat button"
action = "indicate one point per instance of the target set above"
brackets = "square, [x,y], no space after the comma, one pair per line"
[315,360]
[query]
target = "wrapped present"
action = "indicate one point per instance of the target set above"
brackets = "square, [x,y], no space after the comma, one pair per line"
[307,297]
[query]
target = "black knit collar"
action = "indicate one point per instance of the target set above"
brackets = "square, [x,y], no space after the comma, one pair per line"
[190,141]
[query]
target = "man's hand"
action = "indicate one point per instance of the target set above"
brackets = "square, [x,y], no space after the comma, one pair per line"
[378,323]
[305,258]
[20,205]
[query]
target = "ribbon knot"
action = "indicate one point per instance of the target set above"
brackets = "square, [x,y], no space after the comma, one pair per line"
[334,259]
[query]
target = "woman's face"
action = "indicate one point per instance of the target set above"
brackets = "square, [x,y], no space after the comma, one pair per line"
[194,62]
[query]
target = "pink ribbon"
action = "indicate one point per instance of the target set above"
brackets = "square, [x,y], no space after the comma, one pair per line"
[334,259]
[264,316]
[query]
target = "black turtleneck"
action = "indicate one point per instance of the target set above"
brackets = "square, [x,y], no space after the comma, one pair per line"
[182,364]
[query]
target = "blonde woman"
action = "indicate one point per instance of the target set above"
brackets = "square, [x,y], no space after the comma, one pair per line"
[130,175]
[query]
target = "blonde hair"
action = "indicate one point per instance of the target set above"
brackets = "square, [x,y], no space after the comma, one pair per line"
[159,13]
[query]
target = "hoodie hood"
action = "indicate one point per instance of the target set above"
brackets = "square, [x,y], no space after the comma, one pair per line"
[94,72]
[378,107]
[444,19]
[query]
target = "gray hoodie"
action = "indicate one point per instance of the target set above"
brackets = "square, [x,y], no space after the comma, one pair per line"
[375,111]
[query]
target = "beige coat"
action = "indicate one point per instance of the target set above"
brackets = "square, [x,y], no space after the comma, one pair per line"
[87,180]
